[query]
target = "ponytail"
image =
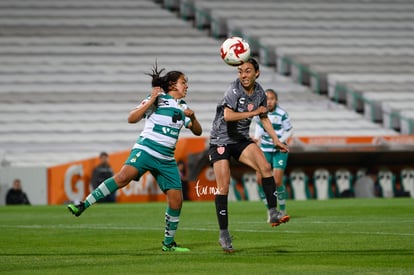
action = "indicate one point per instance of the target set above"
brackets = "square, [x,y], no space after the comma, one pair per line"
[166,81]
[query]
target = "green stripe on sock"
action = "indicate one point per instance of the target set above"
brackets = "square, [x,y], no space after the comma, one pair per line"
[281,197]
[172,217]
[173,212]
[111,185]
[100,192]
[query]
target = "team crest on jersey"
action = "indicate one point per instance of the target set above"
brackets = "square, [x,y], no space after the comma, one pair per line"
[276,119]
[177,116]
[220,150]
[250,107]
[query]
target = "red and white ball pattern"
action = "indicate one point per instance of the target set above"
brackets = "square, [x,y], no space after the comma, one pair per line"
[234,51]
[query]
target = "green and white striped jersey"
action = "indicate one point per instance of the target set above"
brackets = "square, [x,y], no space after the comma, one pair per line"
[280,121]
[163,124]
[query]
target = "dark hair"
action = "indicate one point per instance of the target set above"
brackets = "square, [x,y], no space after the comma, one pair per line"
[255,65]
[273,92]
[166,81]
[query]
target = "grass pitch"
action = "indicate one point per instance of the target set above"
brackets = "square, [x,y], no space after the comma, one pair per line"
[358,236]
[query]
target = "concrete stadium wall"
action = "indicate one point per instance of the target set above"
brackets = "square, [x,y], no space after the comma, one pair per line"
[34,183]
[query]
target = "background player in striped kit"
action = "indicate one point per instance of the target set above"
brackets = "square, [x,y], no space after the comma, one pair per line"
[166,113]
[278,160]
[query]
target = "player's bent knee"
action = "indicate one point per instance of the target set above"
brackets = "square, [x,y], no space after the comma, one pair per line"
[265,170]
[122,180]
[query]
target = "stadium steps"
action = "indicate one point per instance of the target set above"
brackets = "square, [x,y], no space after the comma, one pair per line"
[316,42]
[72,70]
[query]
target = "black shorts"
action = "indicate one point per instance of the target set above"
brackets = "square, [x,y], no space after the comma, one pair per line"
[225,151]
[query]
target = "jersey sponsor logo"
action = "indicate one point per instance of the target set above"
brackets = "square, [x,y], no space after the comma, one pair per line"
[165,130]
[169,132]
[221,150]
[242,100]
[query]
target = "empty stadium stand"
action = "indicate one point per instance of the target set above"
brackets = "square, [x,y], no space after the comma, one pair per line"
[328,45]
[71,70]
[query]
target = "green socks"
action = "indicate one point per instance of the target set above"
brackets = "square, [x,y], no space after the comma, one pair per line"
[281,197]
[105,188]
[172,217]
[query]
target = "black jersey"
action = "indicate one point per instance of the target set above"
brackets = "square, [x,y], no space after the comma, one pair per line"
[236,99]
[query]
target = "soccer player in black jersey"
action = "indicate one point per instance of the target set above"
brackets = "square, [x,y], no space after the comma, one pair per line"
[243,99]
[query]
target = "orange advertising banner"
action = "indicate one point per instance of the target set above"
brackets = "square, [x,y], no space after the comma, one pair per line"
[204,188]
[357,140]
[71,181]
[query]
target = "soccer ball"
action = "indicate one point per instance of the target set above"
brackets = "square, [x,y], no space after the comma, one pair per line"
[234,51]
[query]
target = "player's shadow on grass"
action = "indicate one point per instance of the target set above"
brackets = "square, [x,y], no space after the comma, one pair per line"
[336,252]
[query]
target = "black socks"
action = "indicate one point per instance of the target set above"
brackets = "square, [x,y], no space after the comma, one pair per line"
[221,211]
[269,188]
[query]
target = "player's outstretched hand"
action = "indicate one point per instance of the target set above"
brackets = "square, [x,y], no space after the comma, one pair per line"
[261,110]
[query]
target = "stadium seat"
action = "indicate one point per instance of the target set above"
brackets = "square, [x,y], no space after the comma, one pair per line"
[322,184]
[360,173]
[234,192]
[334,79]
[354,91]
[343,183]
[298,182]
[250,187]
[373,102]
[391,113]
[386,182]
[407,122]
[407,180]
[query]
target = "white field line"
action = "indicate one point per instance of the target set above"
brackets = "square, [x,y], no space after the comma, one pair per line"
[143,228]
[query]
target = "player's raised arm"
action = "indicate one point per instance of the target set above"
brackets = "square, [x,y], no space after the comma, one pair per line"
[230,115]
[138,113]
[194,125]
[267,125]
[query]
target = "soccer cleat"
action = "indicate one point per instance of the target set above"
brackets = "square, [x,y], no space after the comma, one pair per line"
[226,245]
[173,247]
[277,218]
[225,242]
[283,213]
[77,209]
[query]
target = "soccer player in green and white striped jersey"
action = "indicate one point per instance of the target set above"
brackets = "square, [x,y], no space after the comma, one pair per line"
[165,113]
[278,160]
